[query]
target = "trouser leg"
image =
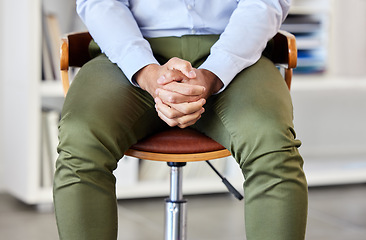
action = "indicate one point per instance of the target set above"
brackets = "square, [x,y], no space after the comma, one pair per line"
[102,116]
[253,119]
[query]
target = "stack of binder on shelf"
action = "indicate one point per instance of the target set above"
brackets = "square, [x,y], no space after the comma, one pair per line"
[51,40]
[310,40]
[51,36]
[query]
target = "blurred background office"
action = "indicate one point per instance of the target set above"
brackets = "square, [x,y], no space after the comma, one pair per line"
[329,98]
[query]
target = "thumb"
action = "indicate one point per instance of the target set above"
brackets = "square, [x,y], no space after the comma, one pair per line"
[183,66]
[186,70]
[191,74]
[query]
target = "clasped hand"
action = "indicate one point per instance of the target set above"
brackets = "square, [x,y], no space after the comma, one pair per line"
[179,90]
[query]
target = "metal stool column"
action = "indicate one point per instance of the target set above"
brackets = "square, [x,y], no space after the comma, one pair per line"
[175,206]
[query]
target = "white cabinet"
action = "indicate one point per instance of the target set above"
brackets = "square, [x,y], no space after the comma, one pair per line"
[330,121]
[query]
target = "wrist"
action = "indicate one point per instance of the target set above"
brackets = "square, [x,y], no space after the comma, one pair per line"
[143,76]
[214,81]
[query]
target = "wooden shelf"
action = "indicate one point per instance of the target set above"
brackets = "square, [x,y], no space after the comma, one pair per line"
[310,6]
[51,88]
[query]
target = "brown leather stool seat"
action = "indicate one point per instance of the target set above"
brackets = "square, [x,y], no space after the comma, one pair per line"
[178,145]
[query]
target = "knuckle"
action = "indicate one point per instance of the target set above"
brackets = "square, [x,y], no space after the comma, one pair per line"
[172,99]
[188,64]
[181,123]
[173,59]
[189,91]
[185,111]
[168,74]
[170,115]
[173,123]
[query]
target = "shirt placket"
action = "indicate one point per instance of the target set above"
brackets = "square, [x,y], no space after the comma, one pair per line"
[197,22]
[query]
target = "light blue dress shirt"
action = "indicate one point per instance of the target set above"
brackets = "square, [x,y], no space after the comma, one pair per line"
[119,28]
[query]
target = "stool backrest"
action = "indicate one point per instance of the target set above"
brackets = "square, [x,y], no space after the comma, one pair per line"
[75,53]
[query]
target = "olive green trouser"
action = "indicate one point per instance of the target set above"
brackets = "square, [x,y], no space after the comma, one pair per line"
[104,114]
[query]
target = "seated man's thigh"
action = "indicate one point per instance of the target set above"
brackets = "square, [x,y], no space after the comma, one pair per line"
[256,104]
[102,100]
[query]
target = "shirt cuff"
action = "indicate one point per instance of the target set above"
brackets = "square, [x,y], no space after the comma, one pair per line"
[225,67]
[134,60]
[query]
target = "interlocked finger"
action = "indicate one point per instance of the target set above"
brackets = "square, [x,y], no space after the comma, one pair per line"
[182,122]
[173,97]
[188,120]
[185,88]
[166,110]
[189,107]
[173,117]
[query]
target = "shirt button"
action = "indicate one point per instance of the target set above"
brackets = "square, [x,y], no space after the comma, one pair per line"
[189,6]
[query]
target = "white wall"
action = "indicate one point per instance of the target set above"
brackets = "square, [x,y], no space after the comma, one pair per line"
[1,88]
[348,38]
[65,10]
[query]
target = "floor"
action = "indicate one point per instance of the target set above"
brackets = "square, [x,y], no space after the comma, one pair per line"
[335,213]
